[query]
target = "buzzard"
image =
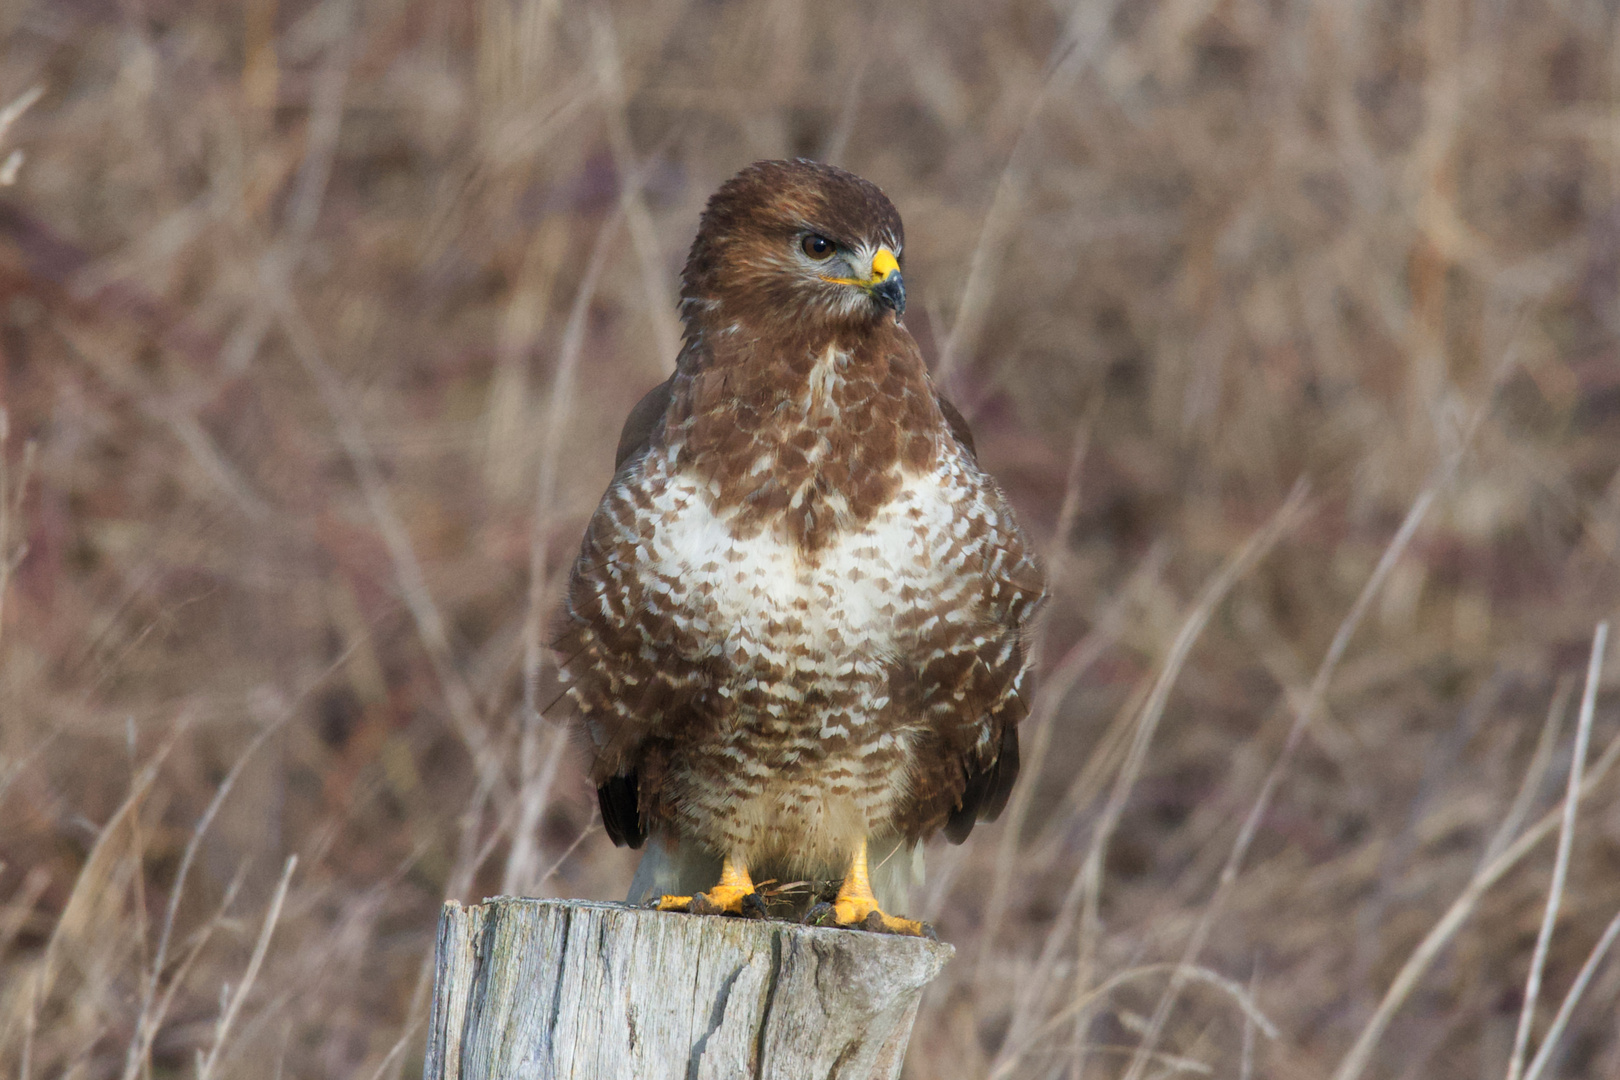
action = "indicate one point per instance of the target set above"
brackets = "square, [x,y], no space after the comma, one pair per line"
[797,628]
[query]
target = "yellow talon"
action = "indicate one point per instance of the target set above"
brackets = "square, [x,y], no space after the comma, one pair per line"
[731,896]
[857,908]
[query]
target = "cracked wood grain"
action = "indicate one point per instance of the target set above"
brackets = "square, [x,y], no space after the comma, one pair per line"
[542,989]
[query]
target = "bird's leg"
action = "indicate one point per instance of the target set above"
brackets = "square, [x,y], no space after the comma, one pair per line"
[733,895]
[856,906]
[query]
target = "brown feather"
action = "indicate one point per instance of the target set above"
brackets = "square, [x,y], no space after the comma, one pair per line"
[798,617]
[643,420]
[958,425]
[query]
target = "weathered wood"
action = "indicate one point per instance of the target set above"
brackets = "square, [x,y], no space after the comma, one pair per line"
[591,991]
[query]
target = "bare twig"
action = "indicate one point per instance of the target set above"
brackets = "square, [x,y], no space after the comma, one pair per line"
[152,1014]
[1540,762]
[19,105]
[1243,998]
[397,1051]
[1285,518]
[558,408]
[1566,839]
[538,775]
[1356,1060]
[1083,33]
[222,1028]
[309,187]
[660,305]
[519,875]
[1302,719]
[1087,880]
[150,1018]
[1576,989]
[1051,692]
[1246,1061]
[430,625]
[11,500]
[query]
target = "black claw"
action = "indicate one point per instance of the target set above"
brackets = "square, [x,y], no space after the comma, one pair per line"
[753,906]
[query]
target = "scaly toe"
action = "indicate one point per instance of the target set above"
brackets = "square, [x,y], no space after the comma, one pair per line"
[671,903]
[854,913]
[876,922]
[724,900]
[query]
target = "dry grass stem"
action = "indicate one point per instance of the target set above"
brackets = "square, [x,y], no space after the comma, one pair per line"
[1566,840]
[1440,935]
[523,862]
[318,322]
[660,298]
[151,1013]
[1085,884]
[1534,775]
[1566,1008]
[1055,686]
[1287,516]
[93,889]
[238,995]
[17,106]
[407,568]
[12,552]
[1313,701]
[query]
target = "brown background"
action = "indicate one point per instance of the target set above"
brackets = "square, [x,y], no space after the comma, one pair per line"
[318,319]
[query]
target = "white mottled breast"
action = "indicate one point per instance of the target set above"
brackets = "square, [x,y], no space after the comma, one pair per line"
[806,778]
[767,598]
[753,646]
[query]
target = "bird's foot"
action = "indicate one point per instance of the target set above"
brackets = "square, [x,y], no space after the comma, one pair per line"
[861,913]
[723,899]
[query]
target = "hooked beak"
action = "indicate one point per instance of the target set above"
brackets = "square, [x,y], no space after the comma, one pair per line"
[885,285]
[891,293]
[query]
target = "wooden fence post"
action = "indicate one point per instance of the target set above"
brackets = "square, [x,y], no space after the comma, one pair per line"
[536,989]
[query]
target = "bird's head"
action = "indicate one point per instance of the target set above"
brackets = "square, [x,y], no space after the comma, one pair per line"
[797,243]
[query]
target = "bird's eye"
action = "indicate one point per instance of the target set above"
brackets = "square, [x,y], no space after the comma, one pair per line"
[817,247]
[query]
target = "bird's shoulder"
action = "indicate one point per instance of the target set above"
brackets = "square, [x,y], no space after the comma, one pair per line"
[643,422]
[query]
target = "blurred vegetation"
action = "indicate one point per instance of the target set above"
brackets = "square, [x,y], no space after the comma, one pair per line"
[317,322]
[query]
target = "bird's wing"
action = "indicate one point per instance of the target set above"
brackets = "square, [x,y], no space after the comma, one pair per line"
[988,785]
[988,668]
[618,795]
[958,424]
[643,421]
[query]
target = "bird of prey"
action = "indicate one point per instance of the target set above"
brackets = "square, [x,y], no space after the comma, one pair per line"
[797,628]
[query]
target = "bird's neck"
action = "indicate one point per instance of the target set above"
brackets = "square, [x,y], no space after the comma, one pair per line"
[807,436]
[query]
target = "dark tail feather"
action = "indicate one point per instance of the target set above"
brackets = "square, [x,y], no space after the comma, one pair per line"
[985,796]
[621,813]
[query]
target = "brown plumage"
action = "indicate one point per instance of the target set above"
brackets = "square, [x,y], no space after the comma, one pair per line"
[797,622]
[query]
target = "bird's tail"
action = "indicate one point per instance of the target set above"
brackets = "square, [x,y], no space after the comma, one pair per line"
[672,867]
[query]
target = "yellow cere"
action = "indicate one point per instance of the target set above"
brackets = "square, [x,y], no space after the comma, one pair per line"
[883,264]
